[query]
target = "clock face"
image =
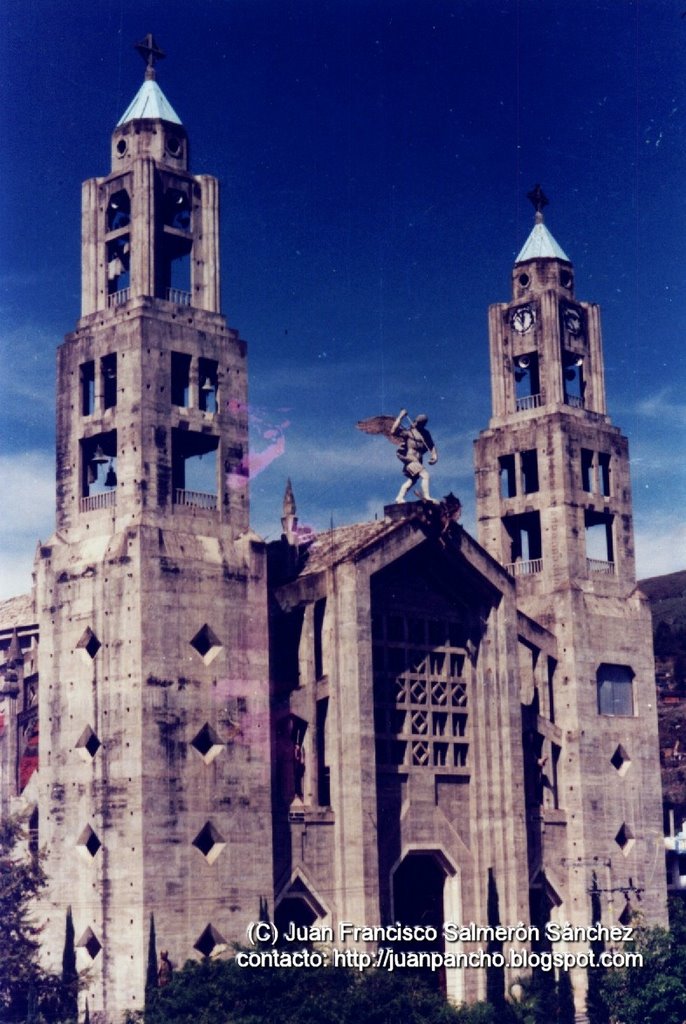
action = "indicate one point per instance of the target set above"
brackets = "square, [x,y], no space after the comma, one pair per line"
[572,320]
[522,319]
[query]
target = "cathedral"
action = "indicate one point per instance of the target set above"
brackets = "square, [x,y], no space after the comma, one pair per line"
[390,721]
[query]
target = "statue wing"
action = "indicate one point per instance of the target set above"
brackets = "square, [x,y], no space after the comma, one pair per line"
[379,425]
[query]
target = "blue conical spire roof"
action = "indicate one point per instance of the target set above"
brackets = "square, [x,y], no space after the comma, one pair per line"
[151,103]
[541,245]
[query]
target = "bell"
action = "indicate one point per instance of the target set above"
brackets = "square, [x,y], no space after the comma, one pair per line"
[207,385]
[111,478]
[99,458]
[524,362]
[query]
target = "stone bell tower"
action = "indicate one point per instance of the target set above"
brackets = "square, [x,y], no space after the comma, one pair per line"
[154,777]
[554,507]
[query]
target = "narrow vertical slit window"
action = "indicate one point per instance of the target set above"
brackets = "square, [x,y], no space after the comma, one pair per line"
[323,770]
[319,610]
[529,466]
[587,470]
[508,480]
[604,470]
[87,388]
[556,752]
[108,368]
[552,664]
[207,385]
[180,379]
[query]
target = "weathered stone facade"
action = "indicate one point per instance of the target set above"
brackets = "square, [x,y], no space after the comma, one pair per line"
[388,722]
[151,595]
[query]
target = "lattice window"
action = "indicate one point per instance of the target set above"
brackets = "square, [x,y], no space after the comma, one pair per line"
[421,694]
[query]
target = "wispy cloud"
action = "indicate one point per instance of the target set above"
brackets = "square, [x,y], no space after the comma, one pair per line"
[661,547]
[28,514]
[663,406]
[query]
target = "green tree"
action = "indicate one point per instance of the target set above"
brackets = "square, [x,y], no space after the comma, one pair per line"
[28,994]
[655,992]
[220,992]
[151,972]
[565,997]
[21,880]
[70,977]
[596,1005]
[542,988]
[495,976]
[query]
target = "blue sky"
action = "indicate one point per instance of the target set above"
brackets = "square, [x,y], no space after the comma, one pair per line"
[374,157]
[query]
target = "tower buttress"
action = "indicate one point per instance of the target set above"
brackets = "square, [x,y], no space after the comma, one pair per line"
[554,508]
[553,487]
[154,779]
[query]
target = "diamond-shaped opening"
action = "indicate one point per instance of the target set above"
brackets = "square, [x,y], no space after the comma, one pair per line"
[210,842]
[418,692]
[625,838]
[88,744]
[90,942]
[626,915]
[420,722]
[420,753]
[439,692]
[458,696]
[620,760]
[210,942]
[89,643]
[88,842]
[207,743]
[206,644]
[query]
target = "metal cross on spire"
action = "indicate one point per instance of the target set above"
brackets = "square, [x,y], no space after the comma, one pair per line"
[150,52]
[538,198]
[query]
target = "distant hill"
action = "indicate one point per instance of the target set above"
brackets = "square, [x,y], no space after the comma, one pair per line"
[667,597]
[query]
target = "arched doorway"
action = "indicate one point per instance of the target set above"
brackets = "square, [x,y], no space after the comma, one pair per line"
[418,900]
[293,910]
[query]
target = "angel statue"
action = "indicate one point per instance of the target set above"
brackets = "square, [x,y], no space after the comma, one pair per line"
[413,441]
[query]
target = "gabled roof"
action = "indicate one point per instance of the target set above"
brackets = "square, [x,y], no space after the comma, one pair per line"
[541,245]
[151,103]
[17,612]
[342,542]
